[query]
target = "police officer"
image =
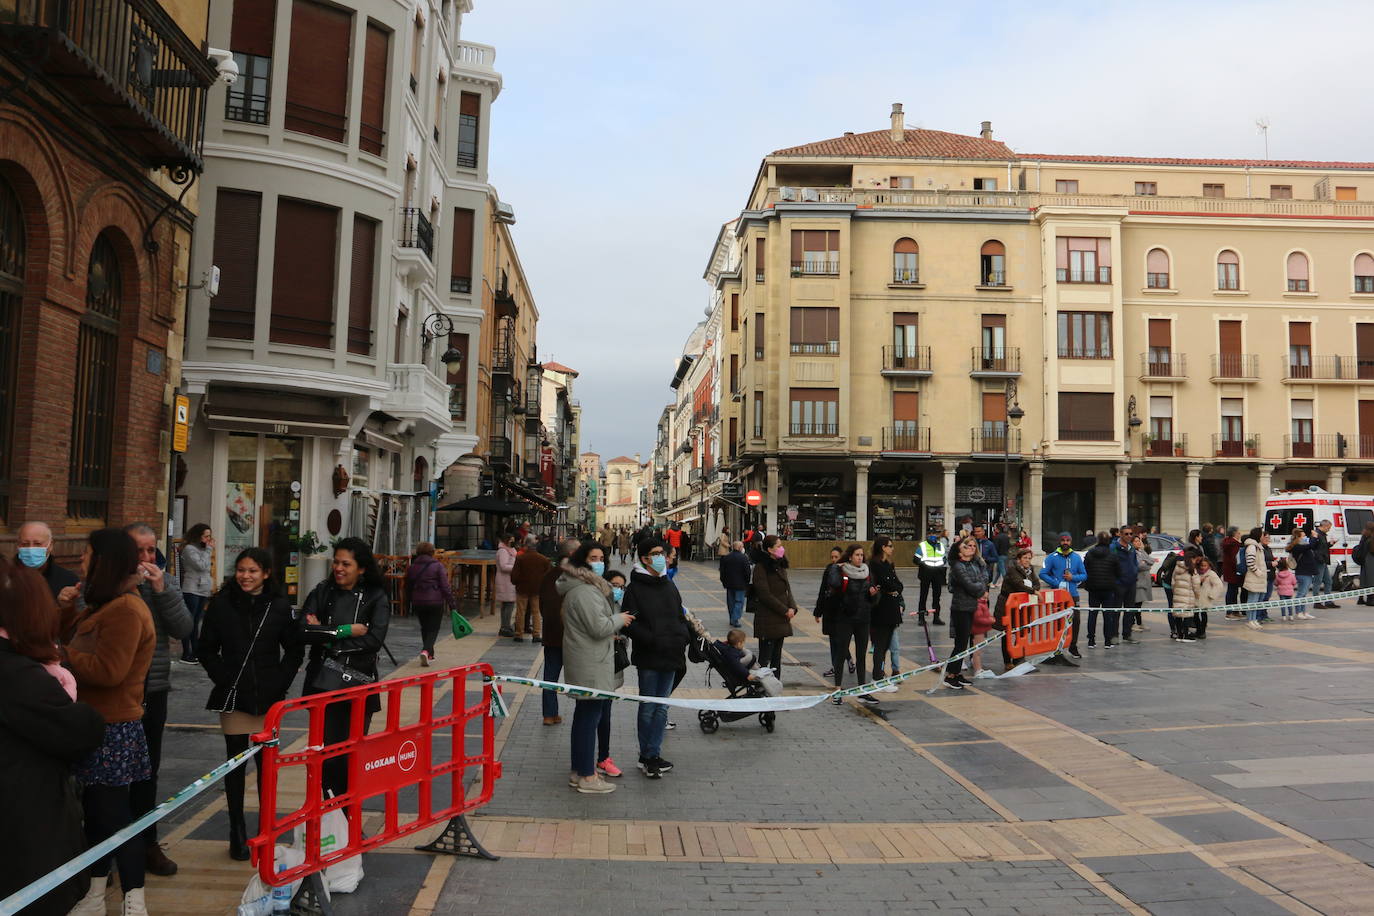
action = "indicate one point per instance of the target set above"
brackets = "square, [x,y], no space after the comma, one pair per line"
[931,569]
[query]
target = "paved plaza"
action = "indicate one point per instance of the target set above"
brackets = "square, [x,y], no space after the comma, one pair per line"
[1231,775]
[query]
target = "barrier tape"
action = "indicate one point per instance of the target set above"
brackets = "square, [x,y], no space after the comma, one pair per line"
[1308,600]
[53,879]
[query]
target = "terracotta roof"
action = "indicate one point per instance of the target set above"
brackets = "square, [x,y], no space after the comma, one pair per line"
[622,460]
[917,144]
[559,367]
[1236,163]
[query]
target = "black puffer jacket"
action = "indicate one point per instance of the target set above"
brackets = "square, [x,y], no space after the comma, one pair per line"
[1103,567]
[659,633]
[887,610]
[852,600]
[968,581]
[234,623]
[335,607]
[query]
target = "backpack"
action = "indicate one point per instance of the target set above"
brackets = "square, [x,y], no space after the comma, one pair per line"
[1165,576]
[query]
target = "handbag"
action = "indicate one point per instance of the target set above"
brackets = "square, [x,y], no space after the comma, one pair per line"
[335,675]
[461,627]
[622,655]
[982,617]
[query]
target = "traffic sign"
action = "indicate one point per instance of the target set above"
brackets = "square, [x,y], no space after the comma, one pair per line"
[181,426]
[753,498]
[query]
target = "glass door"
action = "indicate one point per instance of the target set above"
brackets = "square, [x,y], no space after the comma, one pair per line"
[263,502]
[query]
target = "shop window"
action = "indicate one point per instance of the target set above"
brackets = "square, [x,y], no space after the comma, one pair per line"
[1143,501]
[1214,502]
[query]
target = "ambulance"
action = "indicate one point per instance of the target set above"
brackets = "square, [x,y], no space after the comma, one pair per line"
[1306,509]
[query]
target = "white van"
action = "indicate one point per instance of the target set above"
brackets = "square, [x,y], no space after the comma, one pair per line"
[1347,513]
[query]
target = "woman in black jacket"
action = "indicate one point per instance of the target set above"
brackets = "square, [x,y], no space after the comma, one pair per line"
[344,621]
[851,583]
[968,581]
[43,731]
[827,602]
[887,611]
[773,604]
[249,648]
[1021,578]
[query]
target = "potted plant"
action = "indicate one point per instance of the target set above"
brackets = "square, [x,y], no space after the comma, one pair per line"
[1251,447]
[1178,449]
[314,562]
[1145,440]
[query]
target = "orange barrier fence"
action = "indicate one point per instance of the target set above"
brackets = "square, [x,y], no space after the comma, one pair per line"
[1038,638]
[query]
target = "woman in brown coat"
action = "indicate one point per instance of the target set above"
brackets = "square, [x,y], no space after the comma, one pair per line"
[772,602]
[1021,578]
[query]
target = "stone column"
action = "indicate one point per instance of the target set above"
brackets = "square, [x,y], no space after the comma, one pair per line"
[861,467]
[1123,472]
[1192,506]
[771,522]
[1264,482]
[1335,479]
[950,468]
[1031,515]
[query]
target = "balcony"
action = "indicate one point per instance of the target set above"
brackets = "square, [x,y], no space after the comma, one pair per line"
[1223,447]
[1165,448]
[1164,366]
[906,361]
[996,362]
[142,78]
[906,439]
[417,393]
[1235,367]
[500,451]
[504,299]
[1081,275]
[1069,434]
[1329,369]
[994,441]
[480,59]
[905,277]
[1326,447]
[817,430]
[694,476]
[817,267]
[416,231]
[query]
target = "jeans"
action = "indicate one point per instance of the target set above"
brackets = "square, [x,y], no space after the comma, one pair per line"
[195,604]
[894,647]
[586,727]
[843,630]
[1001,566]
[962,621]
[106,810]
[1110,619]
[770,655]
[143,795]
[653,717]
[1253,598]
[1233,593]
[734,604]
[507,612]
[1304,589]
[1323,583]
[553,667]
[429,616]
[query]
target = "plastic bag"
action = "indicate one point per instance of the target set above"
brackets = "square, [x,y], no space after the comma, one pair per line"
[341,877]
[257,897]
[461,626]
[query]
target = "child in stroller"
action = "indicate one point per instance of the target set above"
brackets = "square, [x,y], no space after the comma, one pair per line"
[733,663]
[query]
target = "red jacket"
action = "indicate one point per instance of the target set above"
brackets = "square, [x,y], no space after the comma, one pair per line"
[674,536]
[1229,573]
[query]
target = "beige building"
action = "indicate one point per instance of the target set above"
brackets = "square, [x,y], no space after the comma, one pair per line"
[628,483]
[1178,336]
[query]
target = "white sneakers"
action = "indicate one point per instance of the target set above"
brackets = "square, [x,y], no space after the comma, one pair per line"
[133,903]
[1306,616]
[984,673]
[593,785]
[93,904]
[1253,624]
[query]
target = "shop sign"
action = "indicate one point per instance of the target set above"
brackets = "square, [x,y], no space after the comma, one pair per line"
[903,484]
[975,495]
[819,484]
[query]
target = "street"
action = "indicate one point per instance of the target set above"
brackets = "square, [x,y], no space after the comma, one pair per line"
[1224,776]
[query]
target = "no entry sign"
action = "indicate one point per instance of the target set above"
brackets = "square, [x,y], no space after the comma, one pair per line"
[753,498]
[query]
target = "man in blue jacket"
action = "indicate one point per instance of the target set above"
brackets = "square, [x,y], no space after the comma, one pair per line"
[1064,569]
[736,572]
[987,550]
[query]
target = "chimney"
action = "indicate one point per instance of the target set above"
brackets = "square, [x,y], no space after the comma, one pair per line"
[986,132]
[898,123]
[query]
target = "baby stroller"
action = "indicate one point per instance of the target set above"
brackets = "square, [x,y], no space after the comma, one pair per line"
[704,649]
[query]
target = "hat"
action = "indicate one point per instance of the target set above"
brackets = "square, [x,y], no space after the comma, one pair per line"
[1065,534]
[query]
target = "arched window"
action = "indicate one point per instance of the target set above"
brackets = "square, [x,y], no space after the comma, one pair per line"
[1298,273]
[992,264]
[1228,270]
[1364,273]
[1157,269]
[421,473]
[12,260]
[904,261]
[88,473]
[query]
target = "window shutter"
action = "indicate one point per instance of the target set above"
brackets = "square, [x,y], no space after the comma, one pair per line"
[361,280]
[1228,333]
[372,129]
[1157,261]
[905,246]
[798,326]
[251,31]
[1364,340]
[1161,406]
[1346,193]
[1300,333]
[994,407]
[1085,413]
[994,321]
[1297,266]
[734,311]
[1061,253]
[303,270]
[815,239]
[317,73]
[1160,332]
[470,104]
[237,216]
[758,255]
[832,240]
[905,318]
[1228,257]
[758,331]
[798,244]
[993,246]
[905,406]
[1364,265]
[461,265]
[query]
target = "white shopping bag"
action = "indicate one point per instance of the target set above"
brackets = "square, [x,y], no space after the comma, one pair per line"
[341,877]
[257,897]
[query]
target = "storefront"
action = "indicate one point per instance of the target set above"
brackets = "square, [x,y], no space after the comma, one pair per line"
[818,508]
[894,506]
[978,499]
[1069,504]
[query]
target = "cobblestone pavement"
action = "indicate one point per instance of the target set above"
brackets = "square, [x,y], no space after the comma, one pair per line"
[1231,775]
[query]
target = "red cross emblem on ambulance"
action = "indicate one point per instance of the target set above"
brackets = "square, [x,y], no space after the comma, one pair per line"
[1300,520]
[1275,521]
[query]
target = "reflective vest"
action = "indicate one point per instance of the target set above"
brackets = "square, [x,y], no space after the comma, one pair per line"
[931,555]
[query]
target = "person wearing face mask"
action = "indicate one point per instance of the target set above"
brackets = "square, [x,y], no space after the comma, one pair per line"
[1020,579]
[852,582]
[248,647]
[659,634]
[772,604]
[932,562]
[34,550]
[1305,566]
[968,581]
[887,609]
[1064,569]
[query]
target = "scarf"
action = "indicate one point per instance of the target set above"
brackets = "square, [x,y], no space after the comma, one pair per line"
[855,572]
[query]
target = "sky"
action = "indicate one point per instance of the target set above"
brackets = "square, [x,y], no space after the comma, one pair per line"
[627,132]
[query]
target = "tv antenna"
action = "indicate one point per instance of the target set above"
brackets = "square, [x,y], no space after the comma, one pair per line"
[1263,126]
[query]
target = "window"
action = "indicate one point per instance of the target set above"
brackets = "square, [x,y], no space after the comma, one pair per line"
[250,40]
[1364,349]
[734,311]
[469,123]
[317,70]
[1161,425]
[904,338]
[1299,349]
[758,259]
[904,263]
[303,269]
[372,123]
[237,216]
[906,415]
[758,335]
[1083,260]
[12,264]
[1085,335]
[440,87]
[1157,269]
[758,415]
[1228,270]
[1160,360]
[994,428]
[1232,427]
[815,411]
[362,275]
[985,184]
[901,181]
[1298,270]
[417,45]
[1214,190]
[992,264]
[1364,273]
[1065,186]
[458,379]
[1231,362]
[994,342]
[1086,417]
[815,252]
[93,413]
[1346,193]
[1302,442]
[1280,192]
[460,266]
[815,330]
[1146,189]
[734,372]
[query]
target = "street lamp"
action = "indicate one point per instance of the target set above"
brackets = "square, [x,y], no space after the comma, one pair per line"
[1014,415]
[440,325]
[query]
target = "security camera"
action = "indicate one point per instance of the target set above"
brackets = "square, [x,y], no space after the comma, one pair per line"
[224,63]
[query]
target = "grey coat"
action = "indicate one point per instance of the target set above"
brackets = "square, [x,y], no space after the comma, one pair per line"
[590,622]
[195,570]
[1143,584]
[172,621]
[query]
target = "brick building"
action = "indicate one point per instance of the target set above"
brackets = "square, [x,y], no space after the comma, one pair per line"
[99,150]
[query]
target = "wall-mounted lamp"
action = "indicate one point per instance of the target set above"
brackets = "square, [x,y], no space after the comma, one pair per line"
[440,325]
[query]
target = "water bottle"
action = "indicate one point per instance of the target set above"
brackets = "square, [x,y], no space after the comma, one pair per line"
[281,896]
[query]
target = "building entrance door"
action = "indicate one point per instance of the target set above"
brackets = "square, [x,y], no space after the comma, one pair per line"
[262,505]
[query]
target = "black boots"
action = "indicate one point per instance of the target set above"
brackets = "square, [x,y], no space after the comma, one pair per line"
[238,838]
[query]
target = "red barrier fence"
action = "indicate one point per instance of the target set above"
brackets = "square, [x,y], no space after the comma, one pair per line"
[431,760]
[1038,638]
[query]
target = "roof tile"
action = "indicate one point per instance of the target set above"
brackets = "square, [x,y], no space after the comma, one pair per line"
[916,144]
[1237,163]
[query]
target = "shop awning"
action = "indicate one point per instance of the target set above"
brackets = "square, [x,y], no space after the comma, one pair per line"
[276,420]
[520,492]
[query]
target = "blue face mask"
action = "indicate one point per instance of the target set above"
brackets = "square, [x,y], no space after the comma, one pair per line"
[660,564]
[934,539]
[617,593]
[33,557]
[599,568]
